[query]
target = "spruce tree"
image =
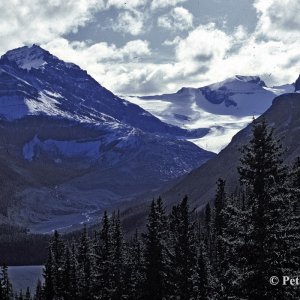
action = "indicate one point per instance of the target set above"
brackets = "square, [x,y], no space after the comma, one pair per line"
[58,249]
[220,200]
[118,267]
[135,268]
[262,173]
[85,266]
[38,291]
[48,289]
[27,294]
[183,246]
[204,282]
[6,287]
[155,286]
[103,271]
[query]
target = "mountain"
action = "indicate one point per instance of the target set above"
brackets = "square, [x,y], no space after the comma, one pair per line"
[34,82]
[297,84]
[234,101]
[69,147]
[283,115]
[200,183]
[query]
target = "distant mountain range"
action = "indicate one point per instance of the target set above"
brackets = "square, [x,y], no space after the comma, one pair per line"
[224,108]
[70,147]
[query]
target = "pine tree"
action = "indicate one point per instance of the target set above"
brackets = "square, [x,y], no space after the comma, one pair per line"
[38,291]
[103,273]
[118,267]
[220,200]
[208,236]
[6,287]
[204,283]
[135,270]
[58,250]
[27,294]
[48,289]
[74,274]
[155,253]
[262,173]
[183,245]
[235,223]
[85,266]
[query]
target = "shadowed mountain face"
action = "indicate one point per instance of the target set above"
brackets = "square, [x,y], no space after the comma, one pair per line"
[297,84]
[69,147]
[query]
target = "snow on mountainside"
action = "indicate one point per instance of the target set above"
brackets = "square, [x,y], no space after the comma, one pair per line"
[70,147]
[34,82]
[224,107]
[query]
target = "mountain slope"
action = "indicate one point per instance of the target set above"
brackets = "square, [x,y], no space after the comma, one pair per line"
[200,183]
[70,147]
[234,101]
[283,115]
[34,82]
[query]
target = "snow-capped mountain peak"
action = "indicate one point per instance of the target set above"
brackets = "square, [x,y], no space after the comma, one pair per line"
[28,57]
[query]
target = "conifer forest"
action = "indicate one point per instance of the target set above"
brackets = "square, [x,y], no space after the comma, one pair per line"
[228,250]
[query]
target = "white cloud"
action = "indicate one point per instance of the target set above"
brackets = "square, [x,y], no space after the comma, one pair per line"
[179,18]
[84,54]
[279,19]
[203,55]
[131,22]
[204,44]
[157,4]
[39,21]
[173,42]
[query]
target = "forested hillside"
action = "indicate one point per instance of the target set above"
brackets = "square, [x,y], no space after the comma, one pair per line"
[229,251]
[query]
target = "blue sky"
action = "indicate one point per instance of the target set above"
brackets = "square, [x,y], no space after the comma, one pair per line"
[158,46]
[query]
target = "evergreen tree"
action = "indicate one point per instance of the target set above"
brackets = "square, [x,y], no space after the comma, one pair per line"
[85,266]
[208,237]
[27,294]
[38,291]
[135,271]
[118,267]
[6,287]
[184,258]
[103,275]
[262,173]
[58,250]
[155,253]
[48,289]
[204,282]
[220,200]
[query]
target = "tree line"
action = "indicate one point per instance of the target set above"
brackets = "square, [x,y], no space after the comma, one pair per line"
[229,250]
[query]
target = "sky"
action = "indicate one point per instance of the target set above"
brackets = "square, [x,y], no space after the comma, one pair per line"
[135,47]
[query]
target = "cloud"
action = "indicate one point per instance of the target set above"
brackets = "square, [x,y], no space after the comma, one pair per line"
[278,19]
[173,42]
[179,18]
[204,54]
[157,4]
[38,21]
[84,54]
[131,22]
[204,44]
